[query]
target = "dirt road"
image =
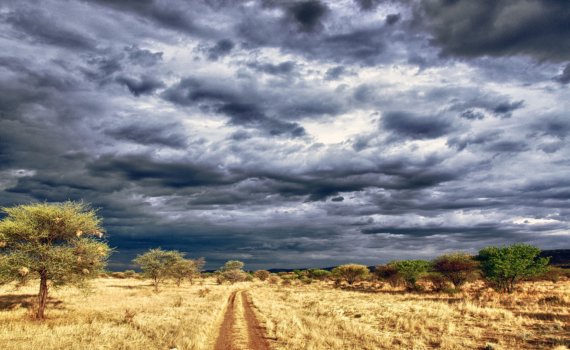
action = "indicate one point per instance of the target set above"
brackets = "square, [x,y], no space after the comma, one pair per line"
[240,328]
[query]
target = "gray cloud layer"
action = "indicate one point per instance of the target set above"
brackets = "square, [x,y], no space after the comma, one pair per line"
[292,133]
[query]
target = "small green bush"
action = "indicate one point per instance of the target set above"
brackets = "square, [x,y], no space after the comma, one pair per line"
[319,274]
[411,271]
[388,273]
[351,272]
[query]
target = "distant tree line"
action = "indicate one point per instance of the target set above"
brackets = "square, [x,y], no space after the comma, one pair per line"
[501,267]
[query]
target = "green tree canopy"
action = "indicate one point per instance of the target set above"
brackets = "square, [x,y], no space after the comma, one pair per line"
[186,268]
[59,243]
[233,265]
[319,274]
[410,271]
[506,266]
[232,271]
[159,265]
[351,272]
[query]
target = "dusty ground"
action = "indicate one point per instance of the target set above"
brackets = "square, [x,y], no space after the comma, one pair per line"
[127,314]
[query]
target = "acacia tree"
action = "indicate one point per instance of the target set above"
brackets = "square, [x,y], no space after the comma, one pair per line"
[198,266]
[186,268]
[233,265]
[410,271]
[159,265]
[506,266]
[351,272]
[232,271]
[58,243]
[388,273]
[457,268]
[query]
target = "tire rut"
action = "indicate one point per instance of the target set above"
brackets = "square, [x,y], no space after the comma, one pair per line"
[255,332]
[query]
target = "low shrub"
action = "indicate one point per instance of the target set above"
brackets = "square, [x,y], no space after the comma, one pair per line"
[351,272]
[319,274]
[130,273]
[552,274]
[262,275]
[438,282]
[411,271]
[119,275]
[388,273]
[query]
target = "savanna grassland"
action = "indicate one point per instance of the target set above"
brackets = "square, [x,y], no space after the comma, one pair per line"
[127,314]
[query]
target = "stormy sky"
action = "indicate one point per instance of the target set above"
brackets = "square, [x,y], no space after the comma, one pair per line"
[292,133]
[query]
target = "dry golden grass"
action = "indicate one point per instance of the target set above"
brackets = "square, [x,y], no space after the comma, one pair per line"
[117,314]
[320,317]
[127,314]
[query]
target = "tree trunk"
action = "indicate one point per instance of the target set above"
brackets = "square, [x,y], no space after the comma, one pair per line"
[42,296]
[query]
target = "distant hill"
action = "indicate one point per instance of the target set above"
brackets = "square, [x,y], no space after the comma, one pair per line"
[558,257]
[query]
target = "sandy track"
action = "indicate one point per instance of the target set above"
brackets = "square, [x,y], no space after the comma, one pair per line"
[256,339]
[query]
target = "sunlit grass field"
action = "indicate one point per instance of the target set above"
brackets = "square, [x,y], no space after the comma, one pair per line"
[127,314]
[115,314]
[320,317]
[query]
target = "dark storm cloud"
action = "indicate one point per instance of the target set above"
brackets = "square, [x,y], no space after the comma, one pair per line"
[462,141]
[508,146]
[143,57]
[247,114]
[475,108]
[367,5]
[564,78]
[158,134]
[220,49]
[307,14]
[163,173]
[363,44]
[393,18]
[472,115]
[415,127]
[283,68]
[557,126]
[500,28]
[335,73]
[168,14]
[505,109]
[398,174]
[40,27]
[479,231]
[145,85]
[240,108]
